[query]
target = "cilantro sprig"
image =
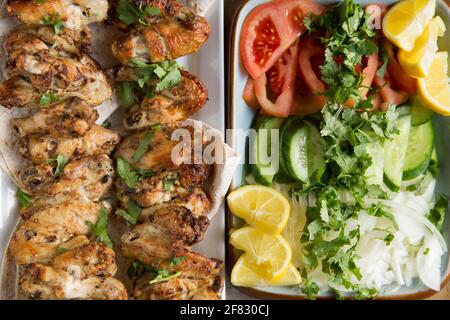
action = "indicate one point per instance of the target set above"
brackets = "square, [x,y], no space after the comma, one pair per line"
[24,198]
[129,174]
[130,13]
[54,21]
[131,215]
[151,79]
[348,38]
[100,229]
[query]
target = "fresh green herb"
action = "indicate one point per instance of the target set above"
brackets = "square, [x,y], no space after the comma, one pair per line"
[163,275]
[126,94]
[388,239]
[131,215]
[24,198]
[39,1]
[129,13]
[327,239]
[130,175]
[167,73]
[384,55]
[169,184]
[61,250]
[47,99]
[310,289]
[54,21]
[348,38]
[125,171]
[175,261]
[100,229]
[144,144]
[426,251]
[437,214]
[61,161]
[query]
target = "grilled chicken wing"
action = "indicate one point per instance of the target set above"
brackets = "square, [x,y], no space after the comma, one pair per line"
[153,245]
[50,222]
[74,14]
[180,288]
[175,32]
[94,175]
[179,187]
[40,148]
[160,149]
[72,118]
[38,68]
[81,273]
[170,106]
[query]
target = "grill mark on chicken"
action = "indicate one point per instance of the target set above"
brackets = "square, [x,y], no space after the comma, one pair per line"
[81,273]
[177,31]
[40,147]
[94,175]
[74,14]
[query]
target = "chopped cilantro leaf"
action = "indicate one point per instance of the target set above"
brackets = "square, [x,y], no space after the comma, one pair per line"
[54,21]
[144,144]
[131,215]
[163,275]
[100,229]
[175,261]
[47,99]
[24,198]
[128,175]
[130,13]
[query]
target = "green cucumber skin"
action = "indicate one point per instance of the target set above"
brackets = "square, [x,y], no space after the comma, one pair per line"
[263,122]
[394,158]
[423,134]
[314,151]
[283,129]
[419,113]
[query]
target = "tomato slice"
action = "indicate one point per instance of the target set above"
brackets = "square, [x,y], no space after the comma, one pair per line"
[249,94]
[270,29]
[396,73]
[390,95]
[309,55]
[286,67]
[368,75]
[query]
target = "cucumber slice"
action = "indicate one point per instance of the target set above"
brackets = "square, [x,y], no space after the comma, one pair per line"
[303,151]
[395,153]
[374,173]
[283,129]
[262,171]
[419,113]
[420,149]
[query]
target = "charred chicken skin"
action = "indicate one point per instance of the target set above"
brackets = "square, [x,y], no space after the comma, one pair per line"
[175,32]
[74,14]
[169,106]
[40,69]
[81,273]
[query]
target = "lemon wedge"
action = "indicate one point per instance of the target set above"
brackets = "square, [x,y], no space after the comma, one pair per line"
[434,90]
[270,254]
[245,274]
[406,21]
[417,62]
[261,207]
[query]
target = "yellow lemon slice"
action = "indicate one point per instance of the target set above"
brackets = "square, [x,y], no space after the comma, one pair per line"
[434,90]
[270,253]
[245,274]
[417,62]
[261,207]
[406,21]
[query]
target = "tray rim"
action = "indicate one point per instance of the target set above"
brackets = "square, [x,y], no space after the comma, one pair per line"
[231,257]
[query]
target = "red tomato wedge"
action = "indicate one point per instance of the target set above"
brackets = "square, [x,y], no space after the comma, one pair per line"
[285,70]
[397,74]
[310,52]
[249,94]
[390,95]
[270,29]
[368,75]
